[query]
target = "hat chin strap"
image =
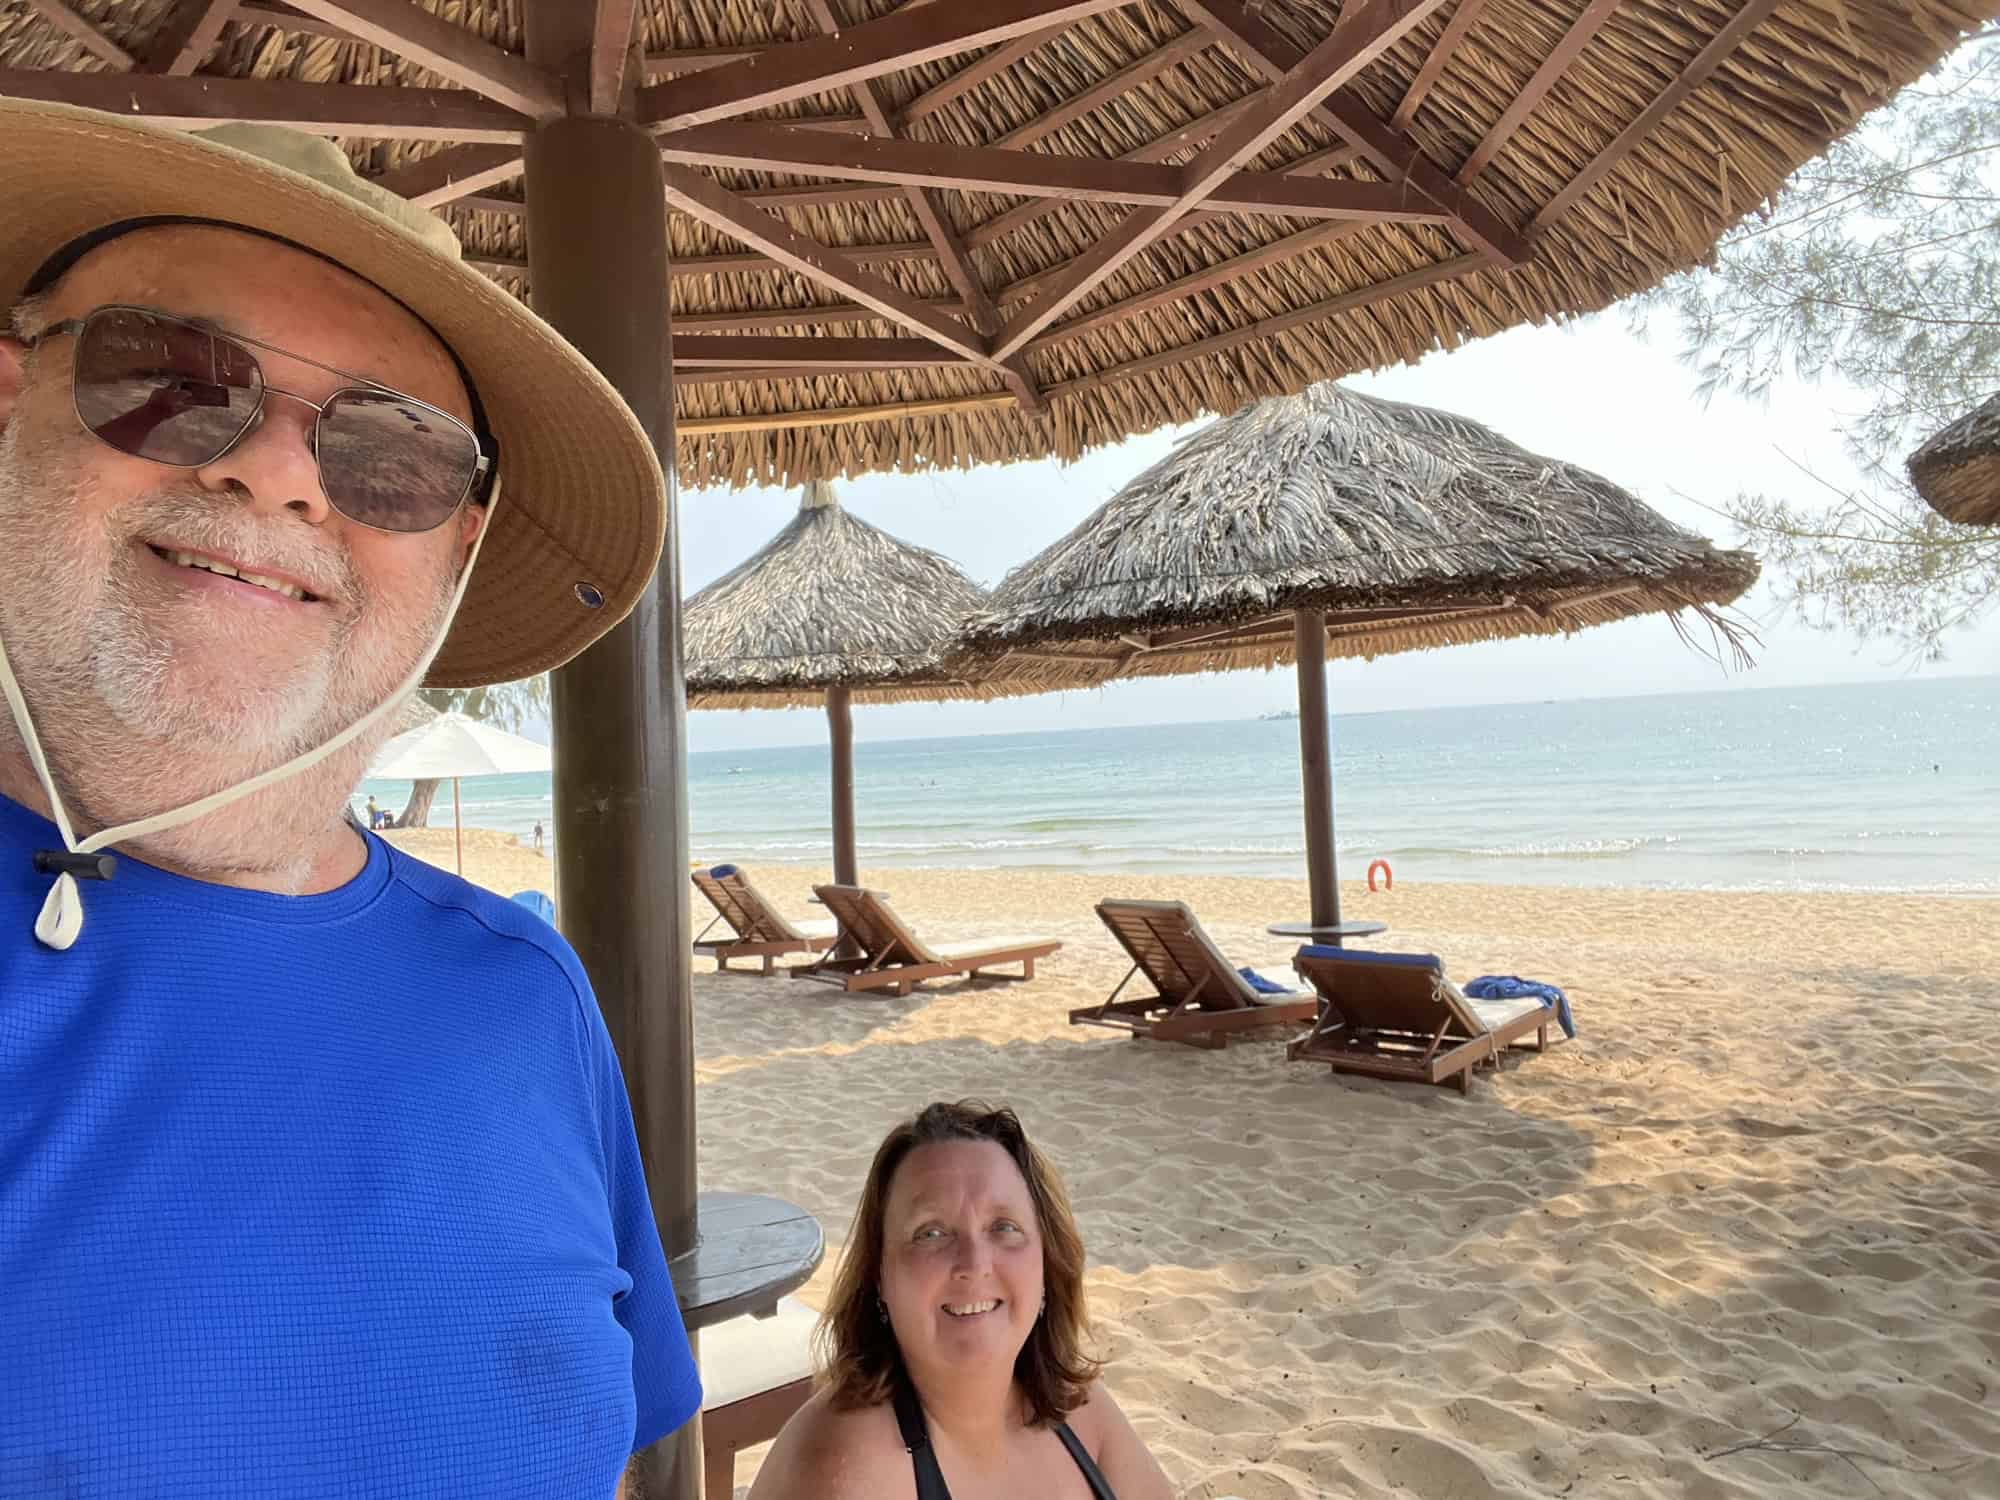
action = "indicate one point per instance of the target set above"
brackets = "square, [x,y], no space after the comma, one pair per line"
[60,922]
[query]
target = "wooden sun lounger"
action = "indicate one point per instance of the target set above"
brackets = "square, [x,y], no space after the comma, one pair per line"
[875,950]
[1395,1015]
[1198,997]
[756,929]
[755,1372]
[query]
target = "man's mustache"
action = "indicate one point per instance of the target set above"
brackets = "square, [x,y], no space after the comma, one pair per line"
[210,523]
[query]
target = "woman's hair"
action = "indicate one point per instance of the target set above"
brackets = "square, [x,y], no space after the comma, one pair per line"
[860,1363]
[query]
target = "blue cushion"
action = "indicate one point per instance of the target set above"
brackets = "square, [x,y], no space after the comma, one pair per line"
[1365,955]
[723,872]
[538,903]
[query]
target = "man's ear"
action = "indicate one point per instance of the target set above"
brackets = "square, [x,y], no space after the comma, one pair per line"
[471,520]
[13,361]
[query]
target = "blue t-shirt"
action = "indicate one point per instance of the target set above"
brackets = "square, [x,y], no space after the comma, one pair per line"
[330,1195]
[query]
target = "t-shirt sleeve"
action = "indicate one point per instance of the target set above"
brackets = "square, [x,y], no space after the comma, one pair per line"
[665,1380]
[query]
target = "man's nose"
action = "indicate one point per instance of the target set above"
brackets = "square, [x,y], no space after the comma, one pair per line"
[273,462]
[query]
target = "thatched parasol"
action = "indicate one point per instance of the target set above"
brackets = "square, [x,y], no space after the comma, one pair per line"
[1336,522]
[1958,468]
[832,610]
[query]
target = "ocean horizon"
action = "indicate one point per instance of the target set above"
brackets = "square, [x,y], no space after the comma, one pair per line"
[1855,787]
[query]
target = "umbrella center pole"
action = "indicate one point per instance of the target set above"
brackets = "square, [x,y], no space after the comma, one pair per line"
[840,737]
[1316,765]
[457,829]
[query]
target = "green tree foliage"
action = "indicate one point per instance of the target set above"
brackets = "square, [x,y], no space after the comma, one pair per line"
[1877,265]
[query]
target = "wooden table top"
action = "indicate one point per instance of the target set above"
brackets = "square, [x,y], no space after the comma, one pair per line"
[750,1250]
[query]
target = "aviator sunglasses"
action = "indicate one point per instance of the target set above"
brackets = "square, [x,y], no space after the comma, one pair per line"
[178,393]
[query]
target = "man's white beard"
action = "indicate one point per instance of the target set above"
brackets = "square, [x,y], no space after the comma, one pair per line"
[129,731]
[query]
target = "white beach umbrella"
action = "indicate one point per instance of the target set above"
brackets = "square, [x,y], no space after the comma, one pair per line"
[455,746]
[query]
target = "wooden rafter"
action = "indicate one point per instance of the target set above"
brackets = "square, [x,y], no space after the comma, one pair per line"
[1553,67]
[322,108]
[1392,152]
[411,32]
[455,172]
[732,214]
[757,146]
[688,267]
[1318,312]
[610,43]
[735,351]
[1116,85]
[1698,72]
[757,319]
[952,254]
[1456,30]
[844,416]
[902,39]
[74,26]
[186,36]
[1340,57]
[969,77]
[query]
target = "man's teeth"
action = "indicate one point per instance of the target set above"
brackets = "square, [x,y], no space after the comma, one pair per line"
[209,564]
[969,1309]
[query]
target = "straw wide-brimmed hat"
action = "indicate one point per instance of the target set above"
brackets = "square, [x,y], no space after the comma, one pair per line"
[578,528]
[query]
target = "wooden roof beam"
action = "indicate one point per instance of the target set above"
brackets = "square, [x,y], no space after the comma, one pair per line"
[750,263]
[413,33]
[453,173]
[186,36]
[1463,19]
[610,45]
[902,39]
[968,78]
[1140,70]
[735,351]
[265,13]
[732,214]
[1316,312]
[1586,26]
[82,32]
[754,319]
[1376,26]
[952,254]
[1754,14]
[385,114]
[1267,51]
[757,146]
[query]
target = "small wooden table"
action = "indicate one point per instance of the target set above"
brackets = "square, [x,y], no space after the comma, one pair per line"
[1334,934]
[750,1249]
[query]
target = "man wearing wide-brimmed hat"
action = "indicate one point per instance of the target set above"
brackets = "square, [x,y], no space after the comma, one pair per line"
[317,1174]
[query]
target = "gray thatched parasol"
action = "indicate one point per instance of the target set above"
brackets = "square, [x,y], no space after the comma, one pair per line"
[831,610]
[1958,469]
[1332,521]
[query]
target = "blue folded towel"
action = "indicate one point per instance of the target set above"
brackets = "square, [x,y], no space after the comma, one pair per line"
[1513,987]
[1260,984]
[723,872]
[538,903]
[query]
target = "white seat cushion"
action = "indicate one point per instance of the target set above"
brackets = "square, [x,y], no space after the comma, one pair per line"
[819,932]
[1497,1013]
[1289,992]
[988,945]
[746,1356]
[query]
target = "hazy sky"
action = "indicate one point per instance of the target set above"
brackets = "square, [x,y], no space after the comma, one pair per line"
[1589,392]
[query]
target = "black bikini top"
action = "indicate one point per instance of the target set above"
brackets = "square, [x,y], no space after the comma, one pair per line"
[930,1478]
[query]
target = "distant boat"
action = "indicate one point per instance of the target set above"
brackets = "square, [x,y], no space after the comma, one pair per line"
[1283,713]
[739,770]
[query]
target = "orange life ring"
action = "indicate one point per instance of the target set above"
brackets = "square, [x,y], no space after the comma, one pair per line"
[1388,880]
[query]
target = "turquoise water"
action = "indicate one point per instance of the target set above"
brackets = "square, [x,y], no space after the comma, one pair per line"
[1890,786]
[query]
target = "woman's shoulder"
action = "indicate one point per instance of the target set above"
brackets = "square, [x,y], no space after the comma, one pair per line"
[827,1453]
[1115,1446]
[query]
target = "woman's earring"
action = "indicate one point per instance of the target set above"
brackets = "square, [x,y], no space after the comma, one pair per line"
[1045,1305]
[881,1309]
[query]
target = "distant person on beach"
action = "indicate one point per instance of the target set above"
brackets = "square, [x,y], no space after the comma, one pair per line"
[321,1178]
[538,838]
[376,817]
[952,1344]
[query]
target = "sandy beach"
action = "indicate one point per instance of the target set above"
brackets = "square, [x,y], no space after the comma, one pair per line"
[1761,1188]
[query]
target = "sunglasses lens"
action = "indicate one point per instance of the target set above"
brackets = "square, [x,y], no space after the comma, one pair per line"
[393,463]
[161,389]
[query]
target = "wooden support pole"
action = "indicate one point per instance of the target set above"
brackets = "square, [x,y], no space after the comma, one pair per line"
[840,736]
[597,234]
[1316,765]
[457,827]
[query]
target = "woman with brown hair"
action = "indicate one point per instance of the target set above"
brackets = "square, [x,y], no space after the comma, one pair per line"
[951,1351]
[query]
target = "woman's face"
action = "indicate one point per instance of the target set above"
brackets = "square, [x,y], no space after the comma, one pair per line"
[961,1256]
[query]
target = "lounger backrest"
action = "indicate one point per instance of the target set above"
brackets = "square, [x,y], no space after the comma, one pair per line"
[1167,943]
[744,908]
[1387,991]
[867,917]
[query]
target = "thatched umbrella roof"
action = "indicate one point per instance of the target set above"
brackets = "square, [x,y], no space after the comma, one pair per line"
[1958,469]
[1486,163]
[1408,527]
[829,602]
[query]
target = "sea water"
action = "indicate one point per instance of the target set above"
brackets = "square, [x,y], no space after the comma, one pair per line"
[1882,786]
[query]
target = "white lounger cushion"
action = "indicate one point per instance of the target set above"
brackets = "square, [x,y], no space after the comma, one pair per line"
[1497,1013]
[819,932]
[744,1357]
[1290,991]
[989,945]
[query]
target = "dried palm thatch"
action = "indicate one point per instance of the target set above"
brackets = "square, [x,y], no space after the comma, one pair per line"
[831,602]
[1958,468]
[1407,527]
[1545,157]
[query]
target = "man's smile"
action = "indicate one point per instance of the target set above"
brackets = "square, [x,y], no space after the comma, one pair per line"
[212,570]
